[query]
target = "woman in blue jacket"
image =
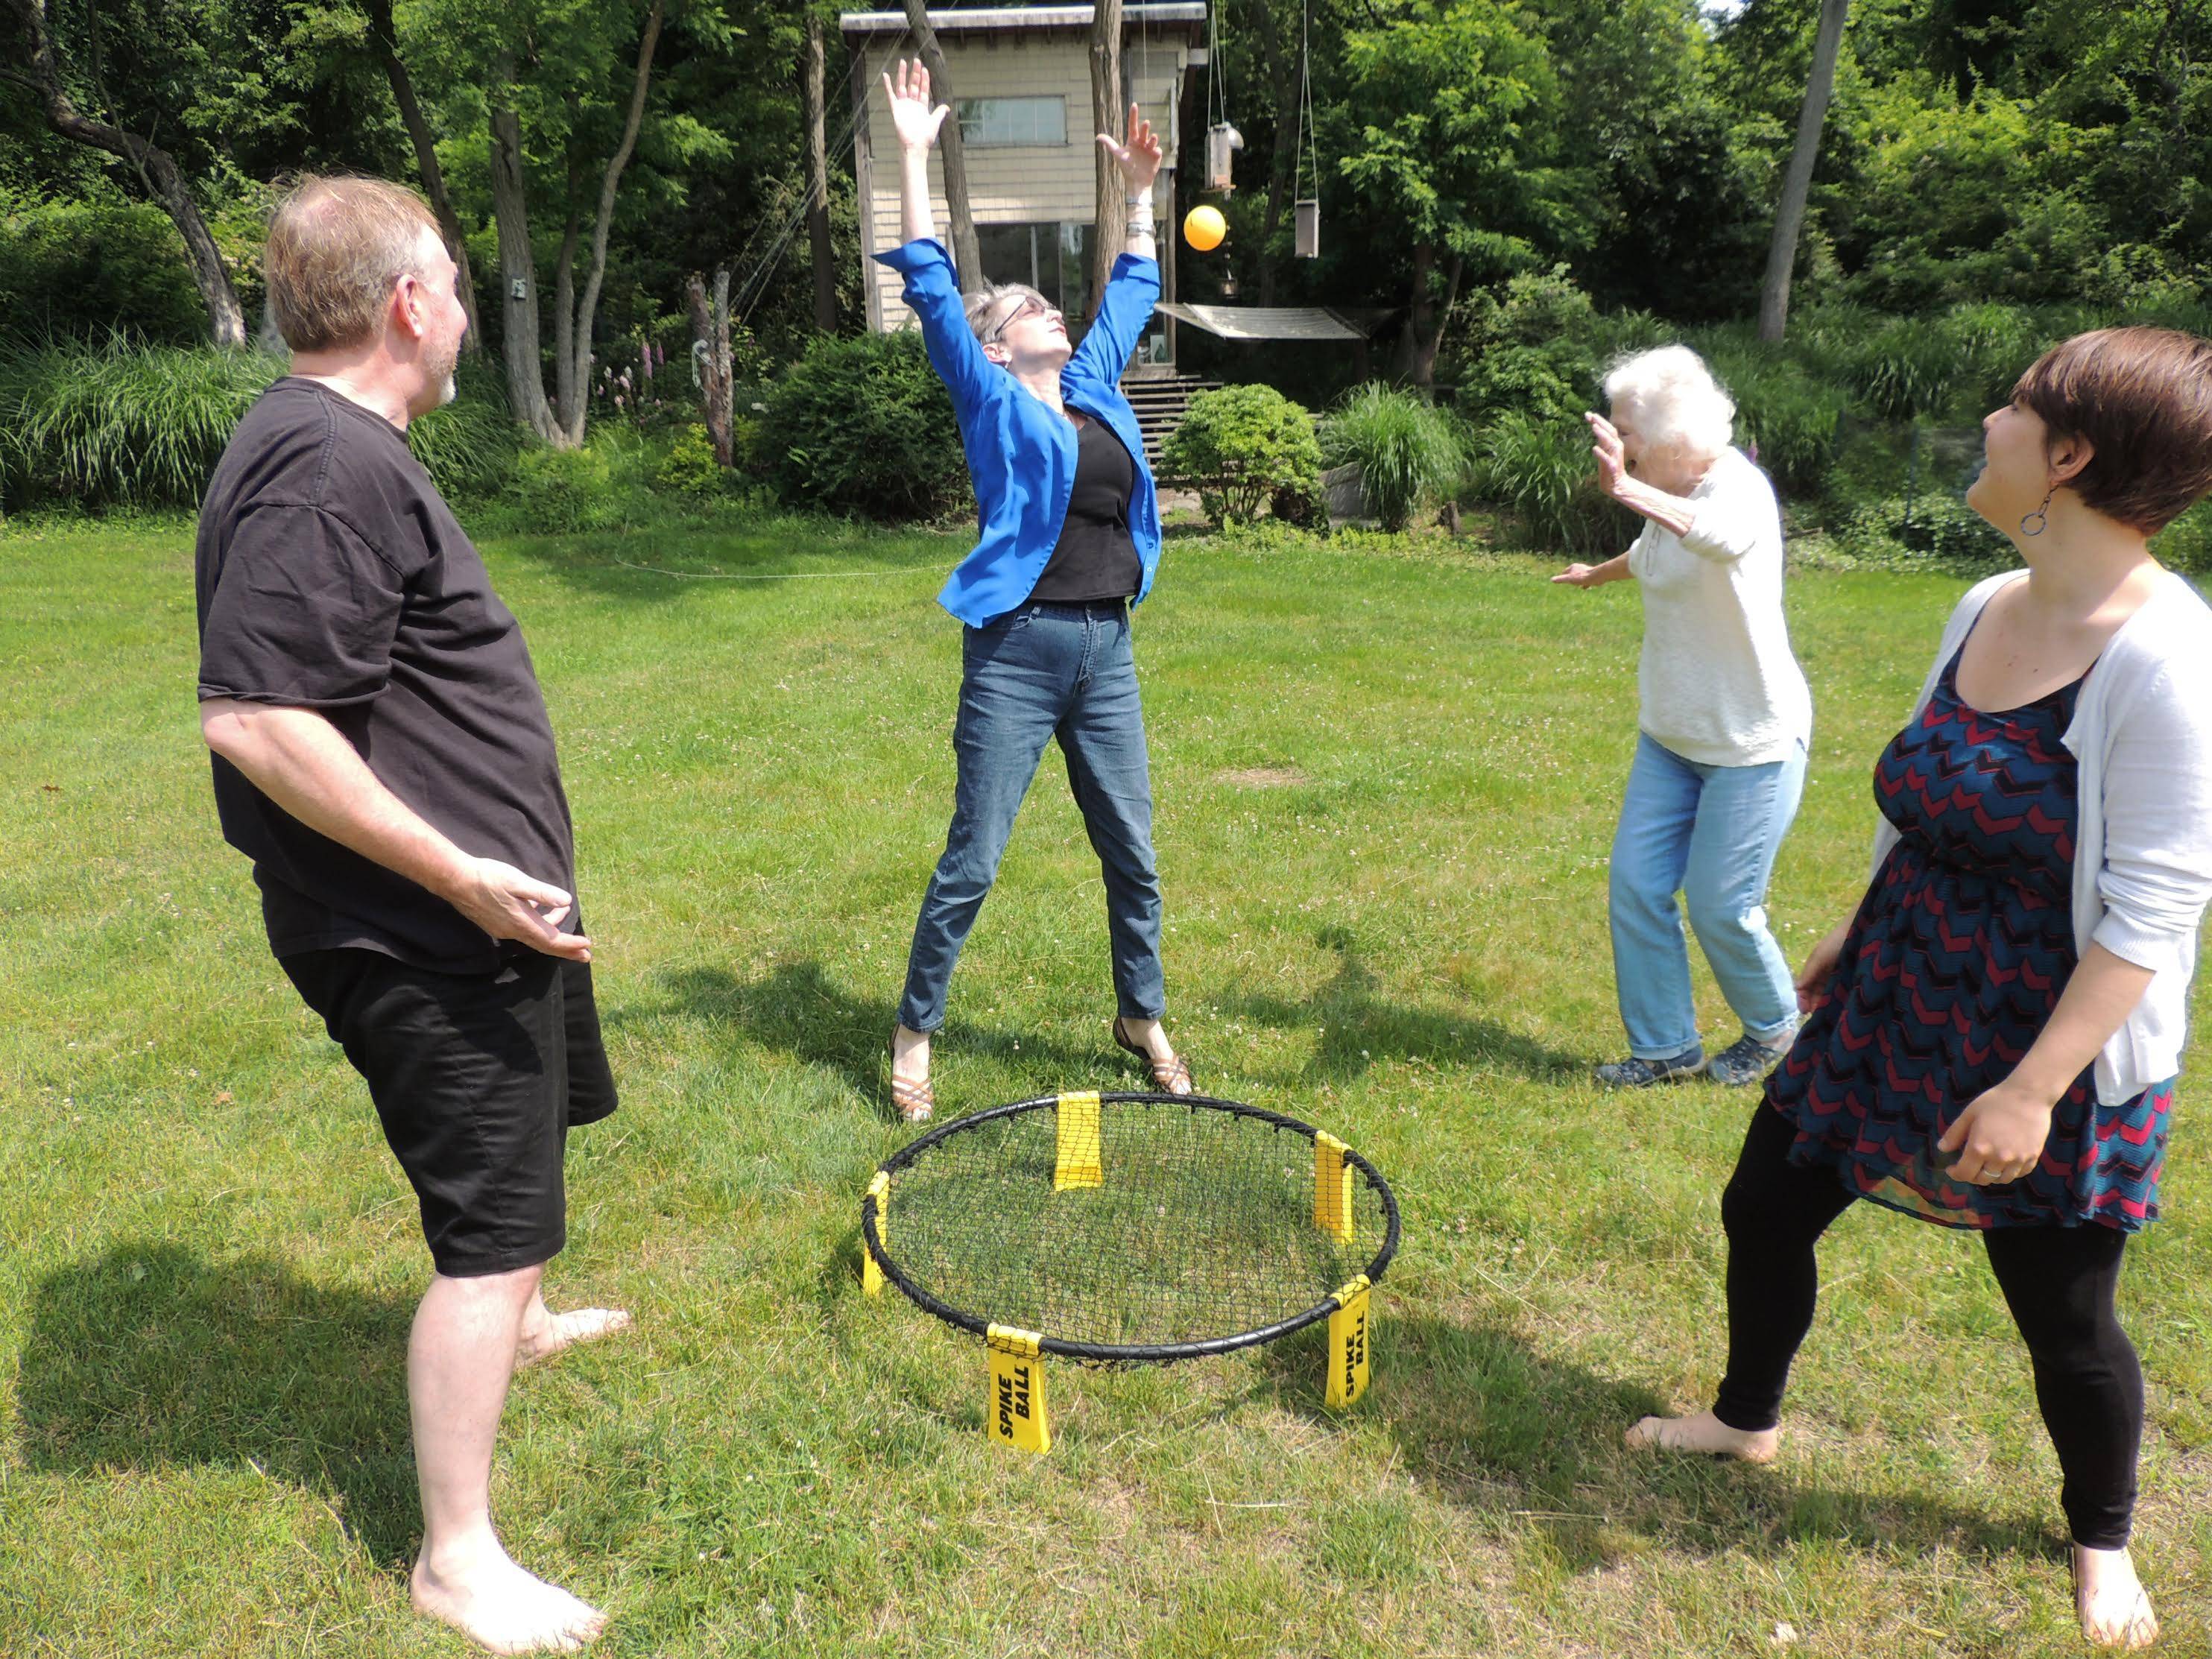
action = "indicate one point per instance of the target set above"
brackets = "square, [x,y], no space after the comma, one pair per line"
[1071,537]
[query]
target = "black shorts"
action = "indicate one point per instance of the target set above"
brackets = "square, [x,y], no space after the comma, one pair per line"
[478,1080]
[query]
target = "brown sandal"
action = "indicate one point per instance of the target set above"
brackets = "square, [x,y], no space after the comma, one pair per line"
[1166,1073]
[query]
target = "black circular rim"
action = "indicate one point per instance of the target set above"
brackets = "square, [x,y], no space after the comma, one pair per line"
[1126,1353]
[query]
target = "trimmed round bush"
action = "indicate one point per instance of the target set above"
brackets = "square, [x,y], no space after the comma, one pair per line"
[862,424]
[1244,447]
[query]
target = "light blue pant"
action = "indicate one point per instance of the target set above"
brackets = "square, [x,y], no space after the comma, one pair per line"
[1037,673]
[1711,833]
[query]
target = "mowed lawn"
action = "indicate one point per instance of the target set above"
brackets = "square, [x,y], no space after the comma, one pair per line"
[1386,787]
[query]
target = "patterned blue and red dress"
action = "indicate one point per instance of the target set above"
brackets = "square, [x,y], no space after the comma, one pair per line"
[1952,967]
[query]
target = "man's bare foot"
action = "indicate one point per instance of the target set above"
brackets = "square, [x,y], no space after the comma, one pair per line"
[497,1605]
[1705,1433]
[545,1333]
[2111,1601]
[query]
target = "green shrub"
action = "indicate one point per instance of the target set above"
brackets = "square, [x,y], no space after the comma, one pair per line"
[690,467]
[1408,452]
[564,491]
[1545,474]
[120,424]
[1794,422]
[1242,446]
[1928,528]
[87,269]
[862,424]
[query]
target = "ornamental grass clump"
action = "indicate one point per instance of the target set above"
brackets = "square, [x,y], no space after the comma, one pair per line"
[1408,452]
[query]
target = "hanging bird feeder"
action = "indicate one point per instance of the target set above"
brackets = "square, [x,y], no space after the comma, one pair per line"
[1306,209]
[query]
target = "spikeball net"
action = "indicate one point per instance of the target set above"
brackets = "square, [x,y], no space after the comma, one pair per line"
[1130,1229]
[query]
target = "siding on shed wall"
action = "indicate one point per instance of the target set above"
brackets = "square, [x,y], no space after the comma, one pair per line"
[1009,184]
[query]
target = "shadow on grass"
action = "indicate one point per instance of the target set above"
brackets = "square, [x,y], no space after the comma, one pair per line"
[655,562]
[796,1007]
[152,1356]
[1522,1439]
[1358,1026]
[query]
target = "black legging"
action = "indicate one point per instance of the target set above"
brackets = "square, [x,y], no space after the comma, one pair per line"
[2058,1282]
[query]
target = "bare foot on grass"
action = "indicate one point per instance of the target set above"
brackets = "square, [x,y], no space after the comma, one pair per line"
[545,1333]
[498,1605]
[1705,1433]
[2111,1601]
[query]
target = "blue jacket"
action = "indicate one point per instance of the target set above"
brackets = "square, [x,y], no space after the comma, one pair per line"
[1021,455]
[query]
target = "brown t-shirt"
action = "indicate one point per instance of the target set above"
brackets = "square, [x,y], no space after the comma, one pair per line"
[332,576]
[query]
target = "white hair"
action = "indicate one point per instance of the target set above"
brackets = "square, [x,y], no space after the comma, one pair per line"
[1678,403]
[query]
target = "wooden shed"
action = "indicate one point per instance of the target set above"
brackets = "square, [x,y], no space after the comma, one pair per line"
[1020,77]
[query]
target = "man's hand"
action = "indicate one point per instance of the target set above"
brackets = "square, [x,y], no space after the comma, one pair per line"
[507,905]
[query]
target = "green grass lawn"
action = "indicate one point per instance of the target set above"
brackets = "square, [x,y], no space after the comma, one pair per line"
[1386,787]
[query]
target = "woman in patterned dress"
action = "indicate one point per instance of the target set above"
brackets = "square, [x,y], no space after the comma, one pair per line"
[1991,1039]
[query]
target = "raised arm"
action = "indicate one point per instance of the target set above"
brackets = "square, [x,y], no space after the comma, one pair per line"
[916,123]
[1139,161]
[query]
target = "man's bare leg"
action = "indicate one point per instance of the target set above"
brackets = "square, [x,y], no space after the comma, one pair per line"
[460,1355]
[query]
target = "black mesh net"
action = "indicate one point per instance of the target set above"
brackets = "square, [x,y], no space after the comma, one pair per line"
[1202,1228]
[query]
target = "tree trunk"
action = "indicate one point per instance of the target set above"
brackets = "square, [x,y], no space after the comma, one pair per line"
[817,185]
[1797,182]
[588,306]
[384,40]
[568,397]
[1283,165]
[713,363]
[518,262]
[967,256]
[157,170]
[1429,318]
[1109,219]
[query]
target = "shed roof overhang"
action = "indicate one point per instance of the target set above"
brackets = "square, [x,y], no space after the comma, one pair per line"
[1185,18]
[1266,322]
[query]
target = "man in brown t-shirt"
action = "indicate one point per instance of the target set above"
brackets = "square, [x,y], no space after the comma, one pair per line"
[383,754]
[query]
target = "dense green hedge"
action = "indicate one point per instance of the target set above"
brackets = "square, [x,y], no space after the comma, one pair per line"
[862,425]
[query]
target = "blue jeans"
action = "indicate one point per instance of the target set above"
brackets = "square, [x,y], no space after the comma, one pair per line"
[1042,671]
[1709,832]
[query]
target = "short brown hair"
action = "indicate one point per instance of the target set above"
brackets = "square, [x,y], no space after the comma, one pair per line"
[2143,399]
[335,247]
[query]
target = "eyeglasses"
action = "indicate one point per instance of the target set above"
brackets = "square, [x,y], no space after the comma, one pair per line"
[1032,306]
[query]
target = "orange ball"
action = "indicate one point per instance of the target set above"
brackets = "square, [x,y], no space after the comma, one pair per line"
[1203,228]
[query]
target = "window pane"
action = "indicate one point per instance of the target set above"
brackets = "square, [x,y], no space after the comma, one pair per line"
[1013,120]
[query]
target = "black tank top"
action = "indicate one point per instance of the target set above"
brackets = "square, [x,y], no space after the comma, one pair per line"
[1094,559]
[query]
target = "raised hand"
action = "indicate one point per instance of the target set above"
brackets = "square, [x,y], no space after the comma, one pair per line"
[1139,159]
[912,118]
[1611,464]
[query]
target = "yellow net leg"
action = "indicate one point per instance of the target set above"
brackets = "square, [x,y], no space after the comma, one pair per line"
[1014,1415]
[1348,1331]
[872,1275]
[1332,1188]
[1079,1160]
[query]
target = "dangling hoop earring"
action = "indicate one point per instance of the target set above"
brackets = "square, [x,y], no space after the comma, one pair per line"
[2039,520]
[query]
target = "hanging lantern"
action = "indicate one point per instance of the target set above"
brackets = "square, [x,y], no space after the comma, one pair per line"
[1222,141]
[1306,229]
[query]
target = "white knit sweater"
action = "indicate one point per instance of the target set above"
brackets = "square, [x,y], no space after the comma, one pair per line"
[1717,681]
[2142,741]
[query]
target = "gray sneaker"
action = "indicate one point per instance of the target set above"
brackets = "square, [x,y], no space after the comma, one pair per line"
[1633,1073]
[1746,1060]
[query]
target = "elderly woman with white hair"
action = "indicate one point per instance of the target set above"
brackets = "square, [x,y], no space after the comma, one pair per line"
[1724,723]
[1070,540]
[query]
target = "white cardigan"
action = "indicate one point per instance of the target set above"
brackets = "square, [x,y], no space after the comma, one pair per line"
[2142,740]
[1717,682]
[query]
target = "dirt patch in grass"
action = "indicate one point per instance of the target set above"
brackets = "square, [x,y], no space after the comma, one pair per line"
[1261,777]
